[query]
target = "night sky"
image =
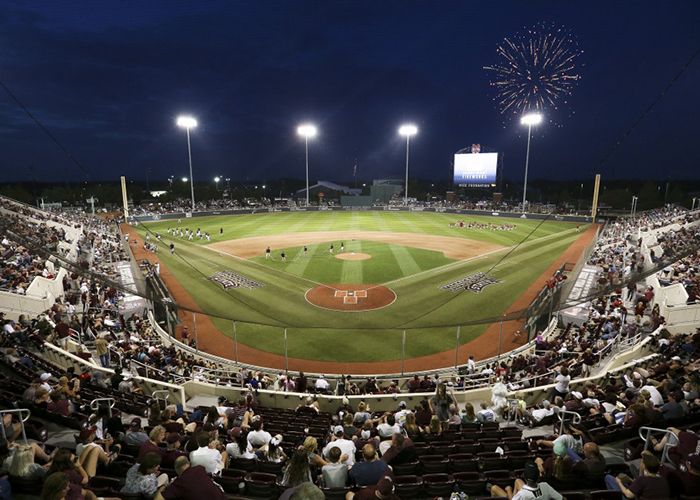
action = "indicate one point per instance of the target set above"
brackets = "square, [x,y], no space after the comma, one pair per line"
[109,78]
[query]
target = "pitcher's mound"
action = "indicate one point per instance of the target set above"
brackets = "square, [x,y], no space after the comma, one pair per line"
[350,298]
[353,256]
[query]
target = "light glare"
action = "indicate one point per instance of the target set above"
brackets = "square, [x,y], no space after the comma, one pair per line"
[531,119]
[408,130]
[187,122]
[307,130]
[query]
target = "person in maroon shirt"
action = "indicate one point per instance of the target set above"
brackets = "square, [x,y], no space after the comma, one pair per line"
[155,438]
[192,483]
[172,452]
[58,404]
[384,490]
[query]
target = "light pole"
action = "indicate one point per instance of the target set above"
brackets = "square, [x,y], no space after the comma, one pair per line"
[188,122]
[307,131]
[407,130]
[633,210]
[216,181]
[694,200]
[529,119]
[170,180]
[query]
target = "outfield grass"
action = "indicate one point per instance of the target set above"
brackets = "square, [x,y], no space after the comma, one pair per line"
[428,313]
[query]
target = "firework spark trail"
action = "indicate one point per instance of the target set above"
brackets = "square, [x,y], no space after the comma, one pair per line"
[537,69]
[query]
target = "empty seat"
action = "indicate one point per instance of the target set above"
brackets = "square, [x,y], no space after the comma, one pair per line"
[500,478]
[335,493]
[463,462]
[605,495]
[433,464]
[245,464]
[260,484]
[467,446]
[438,485]
[406,469]
[470,483]
[408,486]
[271,467]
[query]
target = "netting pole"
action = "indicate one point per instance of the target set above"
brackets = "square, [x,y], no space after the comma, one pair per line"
[286,357]
[403,350]
[459,327]
[500,336]
[194,324]
[235,343]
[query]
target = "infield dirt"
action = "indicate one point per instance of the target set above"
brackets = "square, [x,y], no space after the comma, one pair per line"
[484,346]
[451,247]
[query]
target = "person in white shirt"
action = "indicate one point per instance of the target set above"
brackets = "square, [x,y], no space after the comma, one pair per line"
[400,415]
[347,447]
[471,365]
[485,414]
[388,427]
[322,384]
[208,456]
[654,394]
[561,383]
[257,437]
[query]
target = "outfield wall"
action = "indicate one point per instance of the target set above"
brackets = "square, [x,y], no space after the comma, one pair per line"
[456,211]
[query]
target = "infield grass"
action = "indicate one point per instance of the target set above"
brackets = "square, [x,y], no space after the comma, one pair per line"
[427,313]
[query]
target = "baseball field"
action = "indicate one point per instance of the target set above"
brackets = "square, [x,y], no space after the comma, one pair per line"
[346,284]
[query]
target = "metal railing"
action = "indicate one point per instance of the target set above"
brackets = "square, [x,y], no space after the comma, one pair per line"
[646,433]
[561,415]
[97,402]
[161,395]
[22,420]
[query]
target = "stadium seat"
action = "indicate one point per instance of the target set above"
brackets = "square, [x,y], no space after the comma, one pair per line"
[260,485]
[501,478]
[245,464]
[470,483]
[408,486]
[406,469]
[605,495]
[434,464]
[463,462]
[335,493]
[437,485]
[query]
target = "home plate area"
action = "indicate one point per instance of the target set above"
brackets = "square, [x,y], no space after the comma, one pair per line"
[350,298]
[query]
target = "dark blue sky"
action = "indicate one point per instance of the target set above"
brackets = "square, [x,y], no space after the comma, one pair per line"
[109,78]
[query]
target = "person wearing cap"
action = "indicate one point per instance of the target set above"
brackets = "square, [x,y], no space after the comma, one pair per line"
[347,446]
[257,436]
[371,469]
[192,483]
[530,489]
[384,489]
[400,415]
[45,377]
[649,483]
[135,436]
[172,450]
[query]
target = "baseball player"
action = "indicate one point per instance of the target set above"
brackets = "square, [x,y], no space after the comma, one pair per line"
[284,256]
[267,253]
[331,249]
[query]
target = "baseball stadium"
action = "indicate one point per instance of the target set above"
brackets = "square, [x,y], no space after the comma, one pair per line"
[349,251]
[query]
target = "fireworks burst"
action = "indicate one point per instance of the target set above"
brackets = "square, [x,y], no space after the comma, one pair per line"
[537,70]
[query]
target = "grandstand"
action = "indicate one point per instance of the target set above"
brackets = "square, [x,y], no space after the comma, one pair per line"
[603,401]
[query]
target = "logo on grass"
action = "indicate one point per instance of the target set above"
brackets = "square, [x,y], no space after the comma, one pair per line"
[229,279]
[474,283]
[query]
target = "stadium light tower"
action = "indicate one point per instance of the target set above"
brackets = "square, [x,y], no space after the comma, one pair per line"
[188,122]
[307,131]
[530,120]
[407,130]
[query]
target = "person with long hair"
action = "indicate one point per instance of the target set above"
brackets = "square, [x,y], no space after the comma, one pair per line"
[468,416]
[56,487]
[440,403]
[64,462]
[23,465]
[297,470]
[310,447]
[411,428]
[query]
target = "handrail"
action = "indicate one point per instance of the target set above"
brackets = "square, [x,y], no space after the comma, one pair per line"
[561,413]
[156,395]
[21,421]
[645,434]
[95,404]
